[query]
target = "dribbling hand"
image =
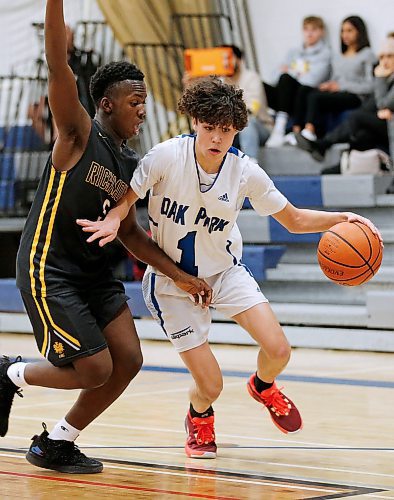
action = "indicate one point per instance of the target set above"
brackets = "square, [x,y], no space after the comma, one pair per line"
[351,217]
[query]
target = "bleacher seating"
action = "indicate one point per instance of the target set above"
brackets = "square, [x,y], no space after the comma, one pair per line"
[20,138]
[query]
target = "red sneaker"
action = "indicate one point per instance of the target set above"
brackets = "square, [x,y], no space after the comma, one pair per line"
[200,442]
[282,410]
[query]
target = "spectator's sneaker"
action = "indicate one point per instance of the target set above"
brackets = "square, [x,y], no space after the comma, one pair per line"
[200,442]
[290,139]
[275,140]
[334,170]
[62,456]
[311,147]
[282,410]
[7,392]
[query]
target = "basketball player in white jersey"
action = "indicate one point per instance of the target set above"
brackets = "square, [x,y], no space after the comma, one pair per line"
[197,187]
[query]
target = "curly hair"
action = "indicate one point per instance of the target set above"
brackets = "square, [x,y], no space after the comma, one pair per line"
[111,74]
[209,100]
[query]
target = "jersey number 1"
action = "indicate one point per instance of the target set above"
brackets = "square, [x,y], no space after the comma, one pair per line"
[188,255]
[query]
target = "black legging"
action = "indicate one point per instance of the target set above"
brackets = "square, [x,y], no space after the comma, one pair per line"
[289,96]
[282,97]
[319,102]
[362,129]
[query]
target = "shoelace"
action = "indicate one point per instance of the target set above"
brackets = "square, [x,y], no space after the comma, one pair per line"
[278,401]
[205,430]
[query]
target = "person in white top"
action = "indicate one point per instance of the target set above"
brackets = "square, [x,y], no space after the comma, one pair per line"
[197,186]
[260,123]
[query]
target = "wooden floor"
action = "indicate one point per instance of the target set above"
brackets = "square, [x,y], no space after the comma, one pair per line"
[346,448]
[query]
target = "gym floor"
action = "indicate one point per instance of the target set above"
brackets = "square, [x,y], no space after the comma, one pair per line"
[345,449]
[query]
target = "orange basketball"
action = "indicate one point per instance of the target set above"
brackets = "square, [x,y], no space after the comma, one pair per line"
[349,253]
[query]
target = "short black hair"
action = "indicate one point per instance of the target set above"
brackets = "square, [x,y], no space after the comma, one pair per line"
[110,74]
[209,100]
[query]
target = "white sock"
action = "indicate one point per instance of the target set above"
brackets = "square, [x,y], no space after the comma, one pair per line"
[281,122]
[308,134]
[16,373]
[64,431]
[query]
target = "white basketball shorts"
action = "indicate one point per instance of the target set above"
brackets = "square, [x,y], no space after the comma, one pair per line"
[187,325]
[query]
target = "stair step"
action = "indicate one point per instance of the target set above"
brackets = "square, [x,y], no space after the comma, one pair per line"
[321,314]
[312,272]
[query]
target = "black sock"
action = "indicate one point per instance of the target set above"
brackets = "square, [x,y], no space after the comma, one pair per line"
[207,413]
[260,385]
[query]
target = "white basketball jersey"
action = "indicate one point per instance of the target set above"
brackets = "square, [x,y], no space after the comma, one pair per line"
[198,229]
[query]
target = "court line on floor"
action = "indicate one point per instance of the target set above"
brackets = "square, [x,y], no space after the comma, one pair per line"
[224,476]
[290,378]
[309,379]
[101,484]
[151,429]
[151,450]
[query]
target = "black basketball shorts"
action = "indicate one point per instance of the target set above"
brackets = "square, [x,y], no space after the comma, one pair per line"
[70,325]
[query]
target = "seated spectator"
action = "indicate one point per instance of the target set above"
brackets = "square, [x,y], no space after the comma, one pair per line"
[366,127]
[351,82]
[259,127]
[306,65]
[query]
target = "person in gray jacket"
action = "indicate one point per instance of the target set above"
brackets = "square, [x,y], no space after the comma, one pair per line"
[368,126]
[351,82]
[308,65]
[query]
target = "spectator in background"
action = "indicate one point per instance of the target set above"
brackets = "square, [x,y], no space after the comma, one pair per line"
[351,82]
[306,65]
[83,64]
[366,127]
[259,127]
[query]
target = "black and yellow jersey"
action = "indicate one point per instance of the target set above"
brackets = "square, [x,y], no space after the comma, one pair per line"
[53,254]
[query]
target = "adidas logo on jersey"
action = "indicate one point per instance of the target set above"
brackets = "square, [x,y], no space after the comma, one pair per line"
[224,197]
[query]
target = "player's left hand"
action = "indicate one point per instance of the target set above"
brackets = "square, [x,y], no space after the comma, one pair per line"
[201,291]
[351,217]
[103,230]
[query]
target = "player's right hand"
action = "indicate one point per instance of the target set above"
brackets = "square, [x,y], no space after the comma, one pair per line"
[197,287]
[103,230]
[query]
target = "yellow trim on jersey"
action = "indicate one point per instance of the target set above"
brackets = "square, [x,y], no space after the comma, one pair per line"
[45,341]
[37,233]
[60,330]
[44,256]
[49,232]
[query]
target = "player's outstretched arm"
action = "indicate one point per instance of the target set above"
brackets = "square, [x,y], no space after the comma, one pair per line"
[106,230]
[135,239]
[72,121]
[302,220]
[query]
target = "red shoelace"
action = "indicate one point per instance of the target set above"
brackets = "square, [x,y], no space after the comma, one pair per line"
[275,399]
[205,429]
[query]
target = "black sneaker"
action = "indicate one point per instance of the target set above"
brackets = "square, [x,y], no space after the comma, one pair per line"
[335,169]
[310,146]
[7,392]
[62,456]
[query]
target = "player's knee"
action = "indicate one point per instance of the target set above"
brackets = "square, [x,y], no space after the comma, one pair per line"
[136,364]
[281,352]
[133,365]
[212,390]
[94,372]
[97,378]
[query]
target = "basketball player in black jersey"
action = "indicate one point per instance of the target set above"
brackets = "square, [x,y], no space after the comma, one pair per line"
[79,314]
